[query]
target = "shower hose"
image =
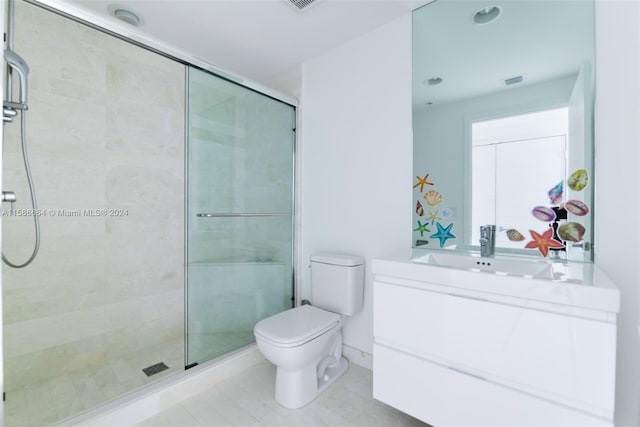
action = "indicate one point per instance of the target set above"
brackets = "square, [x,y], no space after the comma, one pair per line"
[32,191]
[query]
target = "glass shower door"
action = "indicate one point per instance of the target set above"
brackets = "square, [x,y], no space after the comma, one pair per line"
[239,213]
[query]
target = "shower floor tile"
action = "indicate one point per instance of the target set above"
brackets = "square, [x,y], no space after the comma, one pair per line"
[246,399]
[44,403]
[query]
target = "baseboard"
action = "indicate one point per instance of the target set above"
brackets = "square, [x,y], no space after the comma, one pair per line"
[138,406]
[358,357]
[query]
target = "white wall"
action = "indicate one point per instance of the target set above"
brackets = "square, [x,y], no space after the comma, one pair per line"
[617,180]
[356,156]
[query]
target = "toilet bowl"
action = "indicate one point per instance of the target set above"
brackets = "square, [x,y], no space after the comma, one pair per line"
[305,343]
[308,356]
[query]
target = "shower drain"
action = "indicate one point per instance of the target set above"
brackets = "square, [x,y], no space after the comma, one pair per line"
[154,369]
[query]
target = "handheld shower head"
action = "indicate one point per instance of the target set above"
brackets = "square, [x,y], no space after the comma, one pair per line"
[16,62]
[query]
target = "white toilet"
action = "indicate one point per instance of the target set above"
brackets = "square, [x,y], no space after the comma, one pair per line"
[305,343]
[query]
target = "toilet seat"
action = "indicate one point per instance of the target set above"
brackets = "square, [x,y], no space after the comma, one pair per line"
[297,326]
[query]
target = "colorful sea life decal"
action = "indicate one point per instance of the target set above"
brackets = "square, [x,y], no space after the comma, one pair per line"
[544,213]
[578,180]
[514,235]
[433,198]
[443,234]
[419,209]
[422,228]
[577,207]
[422,182]
[571,231]
[555,194]
[543,242]
[433,216]
[446,213]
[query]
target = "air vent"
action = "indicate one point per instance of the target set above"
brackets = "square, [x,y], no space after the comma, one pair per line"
[301,5]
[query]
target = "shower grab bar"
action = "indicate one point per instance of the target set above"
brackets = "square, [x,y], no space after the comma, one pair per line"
[232,215]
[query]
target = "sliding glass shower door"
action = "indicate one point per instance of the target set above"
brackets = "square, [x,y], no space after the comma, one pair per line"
[239,213]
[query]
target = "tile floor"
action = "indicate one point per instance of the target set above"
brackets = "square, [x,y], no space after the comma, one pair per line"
[246,399]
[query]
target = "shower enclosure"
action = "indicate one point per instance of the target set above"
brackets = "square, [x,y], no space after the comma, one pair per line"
[239,213]
[167,220]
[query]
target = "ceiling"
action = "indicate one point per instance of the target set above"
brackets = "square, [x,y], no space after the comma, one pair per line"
[540,40]
[256,39]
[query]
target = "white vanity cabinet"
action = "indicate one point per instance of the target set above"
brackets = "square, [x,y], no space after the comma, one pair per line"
[450,353]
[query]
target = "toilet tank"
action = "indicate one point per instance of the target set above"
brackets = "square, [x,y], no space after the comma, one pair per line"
[337,282]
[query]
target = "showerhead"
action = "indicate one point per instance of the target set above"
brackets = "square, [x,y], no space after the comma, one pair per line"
[16,62]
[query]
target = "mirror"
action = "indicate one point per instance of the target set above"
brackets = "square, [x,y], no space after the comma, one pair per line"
[503,125]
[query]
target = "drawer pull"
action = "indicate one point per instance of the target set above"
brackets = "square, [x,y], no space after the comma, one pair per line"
[460,371]
[468,297]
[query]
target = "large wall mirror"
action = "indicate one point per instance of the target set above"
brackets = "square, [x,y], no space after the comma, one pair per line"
[503,96]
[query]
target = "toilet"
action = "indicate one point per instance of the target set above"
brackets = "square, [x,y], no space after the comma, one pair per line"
[305,343]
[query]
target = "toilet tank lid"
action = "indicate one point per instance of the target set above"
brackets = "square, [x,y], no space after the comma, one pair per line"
[338,259]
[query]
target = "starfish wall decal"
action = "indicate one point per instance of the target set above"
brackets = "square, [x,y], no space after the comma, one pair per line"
[422,182]
[433,216]
[443,234]
[422,228]
[543,242]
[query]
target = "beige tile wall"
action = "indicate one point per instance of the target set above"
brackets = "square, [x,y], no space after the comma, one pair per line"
[105,130]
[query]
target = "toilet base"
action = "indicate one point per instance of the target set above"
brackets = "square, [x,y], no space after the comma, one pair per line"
[332,374]
[296,389]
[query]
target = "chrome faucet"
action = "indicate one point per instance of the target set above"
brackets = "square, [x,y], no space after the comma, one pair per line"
[487,240]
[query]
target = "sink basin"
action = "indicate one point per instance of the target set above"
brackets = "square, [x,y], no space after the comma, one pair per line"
[503,266]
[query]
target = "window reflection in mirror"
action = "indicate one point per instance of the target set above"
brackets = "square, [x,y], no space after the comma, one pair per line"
[515,160]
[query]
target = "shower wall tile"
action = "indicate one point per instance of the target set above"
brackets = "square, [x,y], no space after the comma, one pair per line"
[105,130]
[227,306]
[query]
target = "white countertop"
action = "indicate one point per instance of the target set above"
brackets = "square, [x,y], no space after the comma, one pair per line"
[573,284]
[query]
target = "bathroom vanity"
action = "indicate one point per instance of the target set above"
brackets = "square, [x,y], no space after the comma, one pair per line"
[460,339]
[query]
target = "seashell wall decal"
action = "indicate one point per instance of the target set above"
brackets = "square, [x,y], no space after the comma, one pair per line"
[447,213]
[571,231]
[577,207]
[544,213]
[433,197]
[556,193]
[578,180]
[419,209]
[514,235]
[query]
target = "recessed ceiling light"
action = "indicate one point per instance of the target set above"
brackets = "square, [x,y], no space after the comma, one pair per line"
[432,81]
[486,15]
[124,14]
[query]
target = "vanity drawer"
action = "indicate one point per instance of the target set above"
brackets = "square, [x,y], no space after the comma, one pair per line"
[559,357]
[440,396]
